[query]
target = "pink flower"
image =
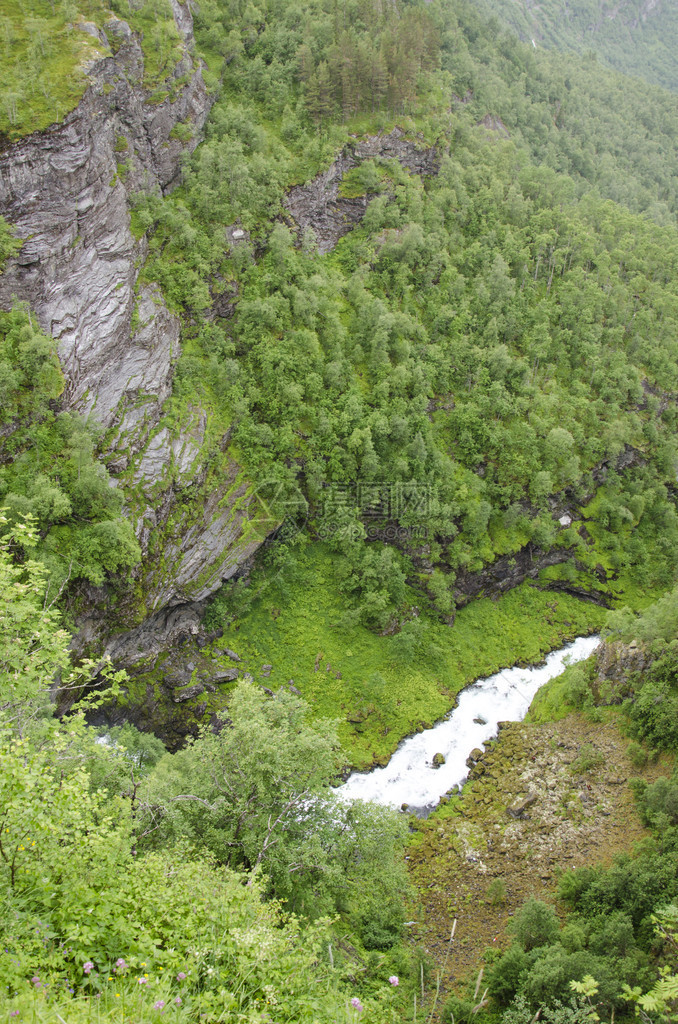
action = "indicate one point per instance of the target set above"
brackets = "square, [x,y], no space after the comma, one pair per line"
[180,976]
[393,980]
[143,981]
[88,966]
[120,964]
[178,1000]
[36,981]
[356,1004]
[159,1005]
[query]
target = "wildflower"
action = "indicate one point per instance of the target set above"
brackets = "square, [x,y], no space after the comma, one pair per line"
[159,1005]
[357,1005]
[120,964]
[117,995]
[36,981]
[88,966]
[143,981]
[14,1013]
[178,1000]
[180,976]
[393,980]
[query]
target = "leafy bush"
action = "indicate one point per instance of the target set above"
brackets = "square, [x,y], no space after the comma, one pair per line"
[637,755]
[79,905]
[535,924]
[588,759]
[50,470]
[258,795]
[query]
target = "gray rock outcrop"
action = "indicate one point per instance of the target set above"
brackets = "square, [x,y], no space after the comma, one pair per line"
[319,206]
[618,667]
[66,190]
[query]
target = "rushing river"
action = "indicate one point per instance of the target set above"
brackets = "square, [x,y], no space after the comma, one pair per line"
[410,777]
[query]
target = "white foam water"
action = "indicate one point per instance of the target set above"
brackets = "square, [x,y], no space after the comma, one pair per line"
[410,777]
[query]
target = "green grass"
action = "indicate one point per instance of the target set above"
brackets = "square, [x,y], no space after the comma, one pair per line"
[44,55]
[562,695]
[42,62]
[384,692]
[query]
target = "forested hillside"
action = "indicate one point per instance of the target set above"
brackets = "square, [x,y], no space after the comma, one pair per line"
[637,37]
[362,385]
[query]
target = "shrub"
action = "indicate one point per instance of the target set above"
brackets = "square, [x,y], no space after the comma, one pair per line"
[496,892]
[535,925]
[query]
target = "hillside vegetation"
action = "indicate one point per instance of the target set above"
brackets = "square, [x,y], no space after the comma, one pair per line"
[637,37]
[486,345]
[487,337]
[477,372]
[49,46]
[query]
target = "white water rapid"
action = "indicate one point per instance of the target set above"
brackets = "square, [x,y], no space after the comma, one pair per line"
[410,778]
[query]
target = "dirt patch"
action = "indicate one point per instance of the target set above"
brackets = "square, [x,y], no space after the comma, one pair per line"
[545,798]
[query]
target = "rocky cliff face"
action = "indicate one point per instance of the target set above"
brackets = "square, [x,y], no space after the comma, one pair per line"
[318,204]
[618,666]
[66,191]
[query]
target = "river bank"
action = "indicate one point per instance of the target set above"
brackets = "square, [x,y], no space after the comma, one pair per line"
[429,764]
[382,688]
[478,858]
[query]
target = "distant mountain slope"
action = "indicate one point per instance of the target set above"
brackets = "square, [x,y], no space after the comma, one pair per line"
[638,37]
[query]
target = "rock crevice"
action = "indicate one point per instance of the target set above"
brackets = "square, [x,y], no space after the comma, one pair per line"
[318,204]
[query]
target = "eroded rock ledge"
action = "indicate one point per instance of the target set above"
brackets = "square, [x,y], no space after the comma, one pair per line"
[318,204]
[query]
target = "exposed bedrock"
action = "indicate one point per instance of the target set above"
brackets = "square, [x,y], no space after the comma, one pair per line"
[318,204]
[66,190]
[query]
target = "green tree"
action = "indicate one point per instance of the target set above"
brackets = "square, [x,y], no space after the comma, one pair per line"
[318,94]
[33,643]
[535,924]
[258,795]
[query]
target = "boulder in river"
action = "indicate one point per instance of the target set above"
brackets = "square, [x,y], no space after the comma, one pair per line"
[476,755]
[438,760]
